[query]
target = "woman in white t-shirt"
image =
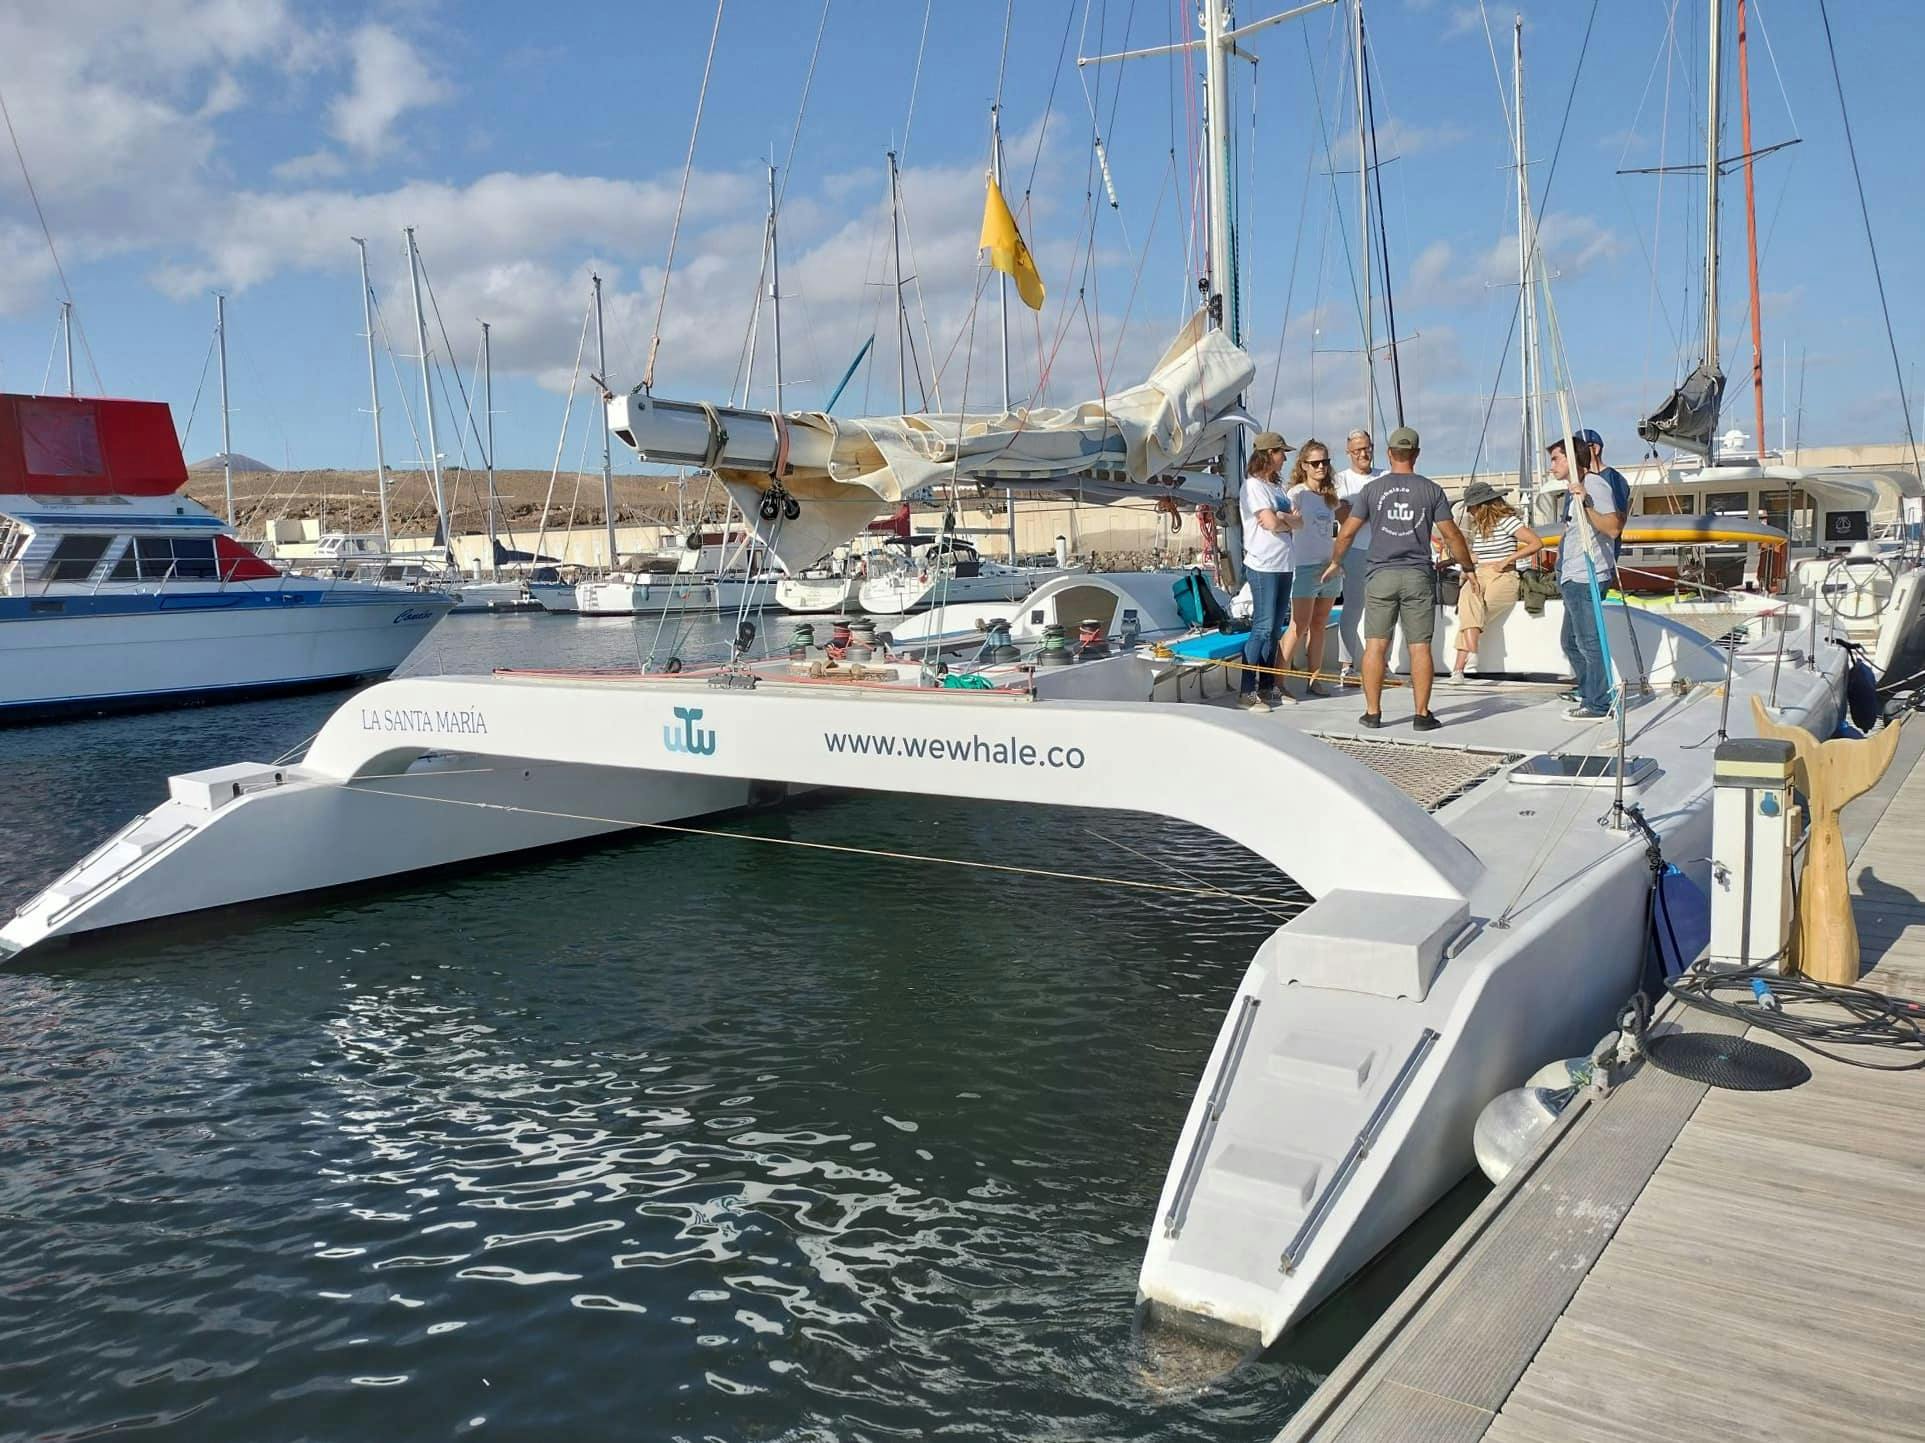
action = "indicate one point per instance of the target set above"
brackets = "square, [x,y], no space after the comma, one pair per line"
[1313,492]
[1356,562]
[1499,541]
[1268,526]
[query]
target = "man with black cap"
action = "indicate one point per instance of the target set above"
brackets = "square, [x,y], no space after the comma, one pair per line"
[1402,508]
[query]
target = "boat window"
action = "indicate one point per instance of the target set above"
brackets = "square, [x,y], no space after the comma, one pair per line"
[74,558]
[1792,512]
[1727,503]
[59,438]
[157,558]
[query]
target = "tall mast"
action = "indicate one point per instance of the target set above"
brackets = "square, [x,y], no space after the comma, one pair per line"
[1527,339]
[1363,217]
[227,445]
[488,413]
[1715,56]
[608,472]
[427,395]
[67,336]
[775,288]
[902,316]
[1751,234]
[1002,278]
[1223,278]
[374,396]
[1002,314]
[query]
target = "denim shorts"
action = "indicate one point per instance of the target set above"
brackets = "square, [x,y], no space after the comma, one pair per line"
[1309,584]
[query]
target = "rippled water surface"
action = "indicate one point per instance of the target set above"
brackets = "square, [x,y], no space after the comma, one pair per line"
[685,1137]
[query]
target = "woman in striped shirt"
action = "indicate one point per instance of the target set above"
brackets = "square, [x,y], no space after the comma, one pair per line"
[1499,543]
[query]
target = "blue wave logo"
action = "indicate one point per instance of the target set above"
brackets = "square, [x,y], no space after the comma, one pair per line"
[690,739]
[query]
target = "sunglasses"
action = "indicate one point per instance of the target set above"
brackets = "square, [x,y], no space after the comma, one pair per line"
[1320,461]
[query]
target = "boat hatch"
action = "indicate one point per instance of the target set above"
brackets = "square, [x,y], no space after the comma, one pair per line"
[1582,769]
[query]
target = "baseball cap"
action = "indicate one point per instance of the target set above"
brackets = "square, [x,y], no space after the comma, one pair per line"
[1587,436]
[1268,441]
[1403,439]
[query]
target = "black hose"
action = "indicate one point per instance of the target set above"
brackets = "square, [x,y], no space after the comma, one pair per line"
[1871,1019]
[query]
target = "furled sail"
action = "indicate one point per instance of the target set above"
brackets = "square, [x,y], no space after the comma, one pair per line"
[808,481]
[1689,420]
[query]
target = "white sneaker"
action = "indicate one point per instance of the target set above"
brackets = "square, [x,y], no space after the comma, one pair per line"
[1250,701]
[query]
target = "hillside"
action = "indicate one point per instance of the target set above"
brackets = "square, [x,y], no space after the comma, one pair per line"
[346,500]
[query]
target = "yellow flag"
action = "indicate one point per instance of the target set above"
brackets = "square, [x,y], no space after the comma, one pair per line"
[1007,253]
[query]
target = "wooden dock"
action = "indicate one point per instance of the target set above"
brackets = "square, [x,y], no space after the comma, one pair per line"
[1686,1264]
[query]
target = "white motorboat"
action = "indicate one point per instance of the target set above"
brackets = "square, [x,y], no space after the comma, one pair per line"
[709,572]
[818,591]
[117,591]
[905,578]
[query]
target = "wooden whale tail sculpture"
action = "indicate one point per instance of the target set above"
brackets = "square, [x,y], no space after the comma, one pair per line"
[1830,774]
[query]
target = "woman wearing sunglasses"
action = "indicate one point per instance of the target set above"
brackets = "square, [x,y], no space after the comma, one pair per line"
[1313,492]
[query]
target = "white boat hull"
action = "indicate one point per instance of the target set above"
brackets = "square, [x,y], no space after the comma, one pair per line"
[56,664]
[901,593]
[818,595]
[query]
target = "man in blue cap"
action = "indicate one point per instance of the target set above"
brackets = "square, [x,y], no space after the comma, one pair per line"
[1586,568]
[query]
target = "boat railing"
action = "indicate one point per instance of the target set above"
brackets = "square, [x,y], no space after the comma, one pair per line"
[145,854]
[1299,1245]
[1212,1113]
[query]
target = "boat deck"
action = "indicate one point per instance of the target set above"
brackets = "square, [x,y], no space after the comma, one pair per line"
[1678,1263]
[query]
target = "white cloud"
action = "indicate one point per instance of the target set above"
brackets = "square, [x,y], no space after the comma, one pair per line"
[390,77]
[315,165]
[1572,244]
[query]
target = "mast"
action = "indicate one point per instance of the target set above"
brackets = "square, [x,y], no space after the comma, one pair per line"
[374,395]
[1002,313]
[902,316]
[488,413]
[1715,55]
[775,289]
[1751,234]
[1223,306]
[1527,311]
[67,336]
[1363,215]
[427,396]
[227,445]
[608,473]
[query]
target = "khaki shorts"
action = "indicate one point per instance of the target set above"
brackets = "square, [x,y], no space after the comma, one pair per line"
[1402,595]
[1475,612]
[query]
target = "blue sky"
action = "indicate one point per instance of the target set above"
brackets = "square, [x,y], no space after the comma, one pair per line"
[181,146]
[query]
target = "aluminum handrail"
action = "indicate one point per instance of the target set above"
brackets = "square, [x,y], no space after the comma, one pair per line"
[1293,1253]
[122,870]
[1213,1111]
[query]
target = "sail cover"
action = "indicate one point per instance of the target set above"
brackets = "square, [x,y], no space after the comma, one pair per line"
[839,475]
[1689,420]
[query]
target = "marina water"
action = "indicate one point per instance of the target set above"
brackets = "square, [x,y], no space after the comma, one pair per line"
[678,1137]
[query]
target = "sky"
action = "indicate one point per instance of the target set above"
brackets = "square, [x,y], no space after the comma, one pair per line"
[184,147]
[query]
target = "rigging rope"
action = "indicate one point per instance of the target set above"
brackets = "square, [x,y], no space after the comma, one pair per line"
[33,194]
[681,201]
[212,337]
[1871,243]
[880,854]
[561,440]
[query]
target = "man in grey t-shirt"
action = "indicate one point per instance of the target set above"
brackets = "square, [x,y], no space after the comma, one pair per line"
[1402,508]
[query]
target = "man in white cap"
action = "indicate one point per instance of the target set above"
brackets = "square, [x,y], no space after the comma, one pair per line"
[1356,565]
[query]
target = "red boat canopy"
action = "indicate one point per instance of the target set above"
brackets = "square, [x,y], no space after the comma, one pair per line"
[63,446]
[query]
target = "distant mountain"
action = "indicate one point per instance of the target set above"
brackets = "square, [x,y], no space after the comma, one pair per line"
[241,463]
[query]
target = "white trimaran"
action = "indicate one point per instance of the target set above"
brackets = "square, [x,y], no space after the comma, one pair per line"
[1480,906]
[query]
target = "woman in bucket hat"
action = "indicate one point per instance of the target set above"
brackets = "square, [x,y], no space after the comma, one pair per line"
[1500,542]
